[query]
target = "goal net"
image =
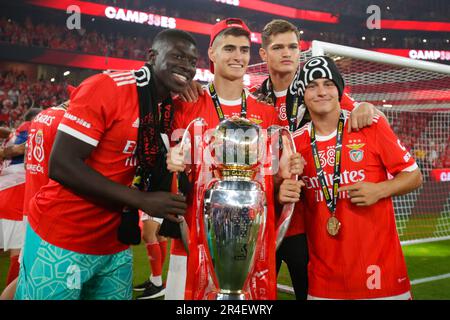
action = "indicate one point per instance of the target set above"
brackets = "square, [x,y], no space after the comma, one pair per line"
[415,96]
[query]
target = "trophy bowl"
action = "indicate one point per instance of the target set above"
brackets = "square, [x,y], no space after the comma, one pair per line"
[238,148]
[234,205]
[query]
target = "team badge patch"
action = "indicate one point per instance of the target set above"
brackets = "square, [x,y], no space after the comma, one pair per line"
[356,153]
[254,120]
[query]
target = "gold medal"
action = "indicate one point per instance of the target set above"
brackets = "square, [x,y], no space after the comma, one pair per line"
[333,225]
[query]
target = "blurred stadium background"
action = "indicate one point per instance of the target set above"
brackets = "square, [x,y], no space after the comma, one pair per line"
[40,54]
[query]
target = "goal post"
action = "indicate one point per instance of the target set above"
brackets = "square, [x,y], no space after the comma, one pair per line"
[415,97]
[320,48]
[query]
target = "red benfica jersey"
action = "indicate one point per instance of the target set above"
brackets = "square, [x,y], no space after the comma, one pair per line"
[297,224]
[39,145]
[12,184]
[364,260]
[103,112]
[262,279]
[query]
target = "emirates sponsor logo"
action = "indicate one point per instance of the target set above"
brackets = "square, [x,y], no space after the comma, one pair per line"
[130,147]
[347,177]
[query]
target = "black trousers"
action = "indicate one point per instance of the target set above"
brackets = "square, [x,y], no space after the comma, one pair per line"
[294,252]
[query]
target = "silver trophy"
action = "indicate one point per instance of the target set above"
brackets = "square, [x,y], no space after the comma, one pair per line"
[275,136]
[234,205]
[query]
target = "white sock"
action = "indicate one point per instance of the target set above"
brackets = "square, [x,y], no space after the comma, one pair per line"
[157,281]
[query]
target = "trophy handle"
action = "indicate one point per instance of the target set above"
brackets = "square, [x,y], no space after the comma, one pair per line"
[288,209]
[184,228]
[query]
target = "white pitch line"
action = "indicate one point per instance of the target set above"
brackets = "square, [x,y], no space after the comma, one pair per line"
[429,279]
[287,289]
[284,288]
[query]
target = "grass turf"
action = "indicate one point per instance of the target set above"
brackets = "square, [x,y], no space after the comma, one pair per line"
[423,260]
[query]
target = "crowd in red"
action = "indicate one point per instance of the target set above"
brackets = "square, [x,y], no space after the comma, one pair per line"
[57,37]
[18,93]
[429,146]
[113,44]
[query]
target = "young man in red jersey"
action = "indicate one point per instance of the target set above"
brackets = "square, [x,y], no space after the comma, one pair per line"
[280,50]
[229,55]
[354,248]
[39,144]
[12,190]
[112,119]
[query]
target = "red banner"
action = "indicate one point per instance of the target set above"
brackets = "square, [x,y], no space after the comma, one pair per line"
[132,16]
[415,25]
[441,175]
[284,11]
[418,54]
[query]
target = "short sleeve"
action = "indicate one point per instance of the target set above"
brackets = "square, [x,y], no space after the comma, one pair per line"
[394,155]
[347,102]
[91,109]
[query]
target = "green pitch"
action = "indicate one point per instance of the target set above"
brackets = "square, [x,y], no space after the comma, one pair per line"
[423,260]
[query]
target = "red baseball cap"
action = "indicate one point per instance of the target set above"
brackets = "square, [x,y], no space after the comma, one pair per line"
[222,25]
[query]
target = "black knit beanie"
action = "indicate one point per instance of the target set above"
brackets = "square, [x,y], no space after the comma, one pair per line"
[316,68]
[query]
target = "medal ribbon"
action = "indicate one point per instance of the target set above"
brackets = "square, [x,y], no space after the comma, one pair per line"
[294,113]
[291,104]
[219,110]
[331,202]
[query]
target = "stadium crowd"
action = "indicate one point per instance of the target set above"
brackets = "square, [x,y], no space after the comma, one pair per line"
[97,38]
[18,93]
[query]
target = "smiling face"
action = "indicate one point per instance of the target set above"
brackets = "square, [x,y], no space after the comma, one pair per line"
[174,63]
[230,55]
[282,54]
[321,96]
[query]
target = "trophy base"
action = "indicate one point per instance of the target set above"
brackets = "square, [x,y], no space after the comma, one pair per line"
[226,296]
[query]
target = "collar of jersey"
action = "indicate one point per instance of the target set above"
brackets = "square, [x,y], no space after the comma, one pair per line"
[228,102]
[331,135]
[280,94]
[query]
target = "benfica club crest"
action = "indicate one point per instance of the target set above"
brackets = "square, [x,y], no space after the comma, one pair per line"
[254,120]
[356,153]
